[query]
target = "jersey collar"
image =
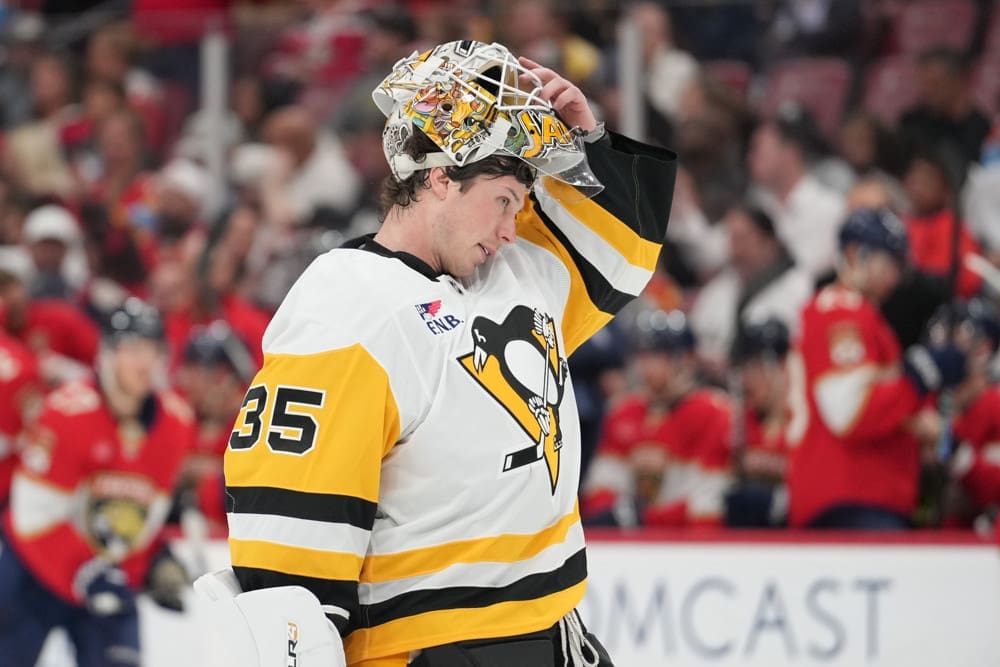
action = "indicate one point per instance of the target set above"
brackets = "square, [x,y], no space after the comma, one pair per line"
[368,242]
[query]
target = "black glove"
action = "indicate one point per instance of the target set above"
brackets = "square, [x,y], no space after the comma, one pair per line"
[166,580]
[104,588]
[931,368]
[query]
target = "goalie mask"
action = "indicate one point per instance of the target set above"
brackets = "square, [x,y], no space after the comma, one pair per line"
[465,96]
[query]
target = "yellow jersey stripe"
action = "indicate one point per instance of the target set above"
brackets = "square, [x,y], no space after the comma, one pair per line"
[509,548]
[635,249]
[582,317]
[294,560]
[433,628]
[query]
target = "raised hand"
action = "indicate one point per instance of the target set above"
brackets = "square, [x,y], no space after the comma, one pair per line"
[566,98]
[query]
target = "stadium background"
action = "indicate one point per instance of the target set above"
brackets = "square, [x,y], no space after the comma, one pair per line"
[202,152]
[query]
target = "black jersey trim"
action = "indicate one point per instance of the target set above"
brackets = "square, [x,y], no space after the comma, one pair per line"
[600,291]
[531,587]
[369,244]
[327,507]
[638,183]
[343,594]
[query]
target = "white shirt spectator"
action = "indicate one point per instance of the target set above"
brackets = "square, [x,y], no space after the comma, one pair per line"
[981,201]
[808,223]
[669,73]
[327,178]
[713,315]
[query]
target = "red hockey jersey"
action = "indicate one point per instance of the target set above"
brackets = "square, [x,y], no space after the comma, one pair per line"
[695,435]
[765,453]
[850,404]
[20,385]
[977,459]
[87,485]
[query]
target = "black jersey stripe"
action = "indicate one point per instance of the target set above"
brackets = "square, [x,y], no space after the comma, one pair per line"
[328,507]
[343,594]
[531,587]
[600,291]
[638,183]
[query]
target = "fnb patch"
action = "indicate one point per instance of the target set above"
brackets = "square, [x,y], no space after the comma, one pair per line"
[436,325]
[428,311]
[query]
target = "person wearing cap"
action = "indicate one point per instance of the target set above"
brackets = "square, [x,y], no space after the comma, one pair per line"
[805,212]
[855,456]
[402,478]
[213,376]
[665,455]
[759,497]
[51,233]
[89,498]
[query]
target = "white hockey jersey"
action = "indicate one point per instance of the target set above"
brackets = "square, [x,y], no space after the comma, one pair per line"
[410,449]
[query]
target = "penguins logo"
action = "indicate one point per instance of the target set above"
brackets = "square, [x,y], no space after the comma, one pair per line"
[519,364]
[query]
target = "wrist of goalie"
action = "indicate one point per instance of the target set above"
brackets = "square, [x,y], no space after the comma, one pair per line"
[921,369]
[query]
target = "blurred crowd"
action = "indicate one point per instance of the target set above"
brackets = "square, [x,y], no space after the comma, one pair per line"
[788,116]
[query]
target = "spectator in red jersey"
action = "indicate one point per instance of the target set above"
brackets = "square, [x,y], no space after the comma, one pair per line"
[213,376]
[932,226]
[124,186]
[61,336]
[101,460]
[186,301]
[975,465]
[664,457]
[20,394]
[325,47]
[855,460]
[759,497]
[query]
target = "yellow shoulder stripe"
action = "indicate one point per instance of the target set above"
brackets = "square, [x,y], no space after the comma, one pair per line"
[582,317]
[357,424]
[508,548]
[617,234]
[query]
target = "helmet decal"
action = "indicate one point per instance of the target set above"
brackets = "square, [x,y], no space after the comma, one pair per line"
[465,96]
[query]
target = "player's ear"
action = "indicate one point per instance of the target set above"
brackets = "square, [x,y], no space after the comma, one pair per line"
[438,181]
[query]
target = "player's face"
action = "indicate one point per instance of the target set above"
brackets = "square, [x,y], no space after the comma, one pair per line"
[883,274]
[476,223]
[657,369]
[763,381]
[137,361]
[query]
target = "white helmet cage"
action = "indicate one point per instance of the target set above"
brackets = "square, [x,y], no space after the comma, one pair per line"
[465,96]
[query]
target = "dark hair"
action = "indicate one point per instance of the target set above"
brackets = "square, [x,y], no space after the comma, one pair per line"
[944,159]
[795,125]
[761,221]
[402,193]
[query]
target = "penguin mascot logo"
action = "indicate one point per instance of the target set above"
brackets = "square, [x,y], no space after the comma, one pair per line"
[519,363]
